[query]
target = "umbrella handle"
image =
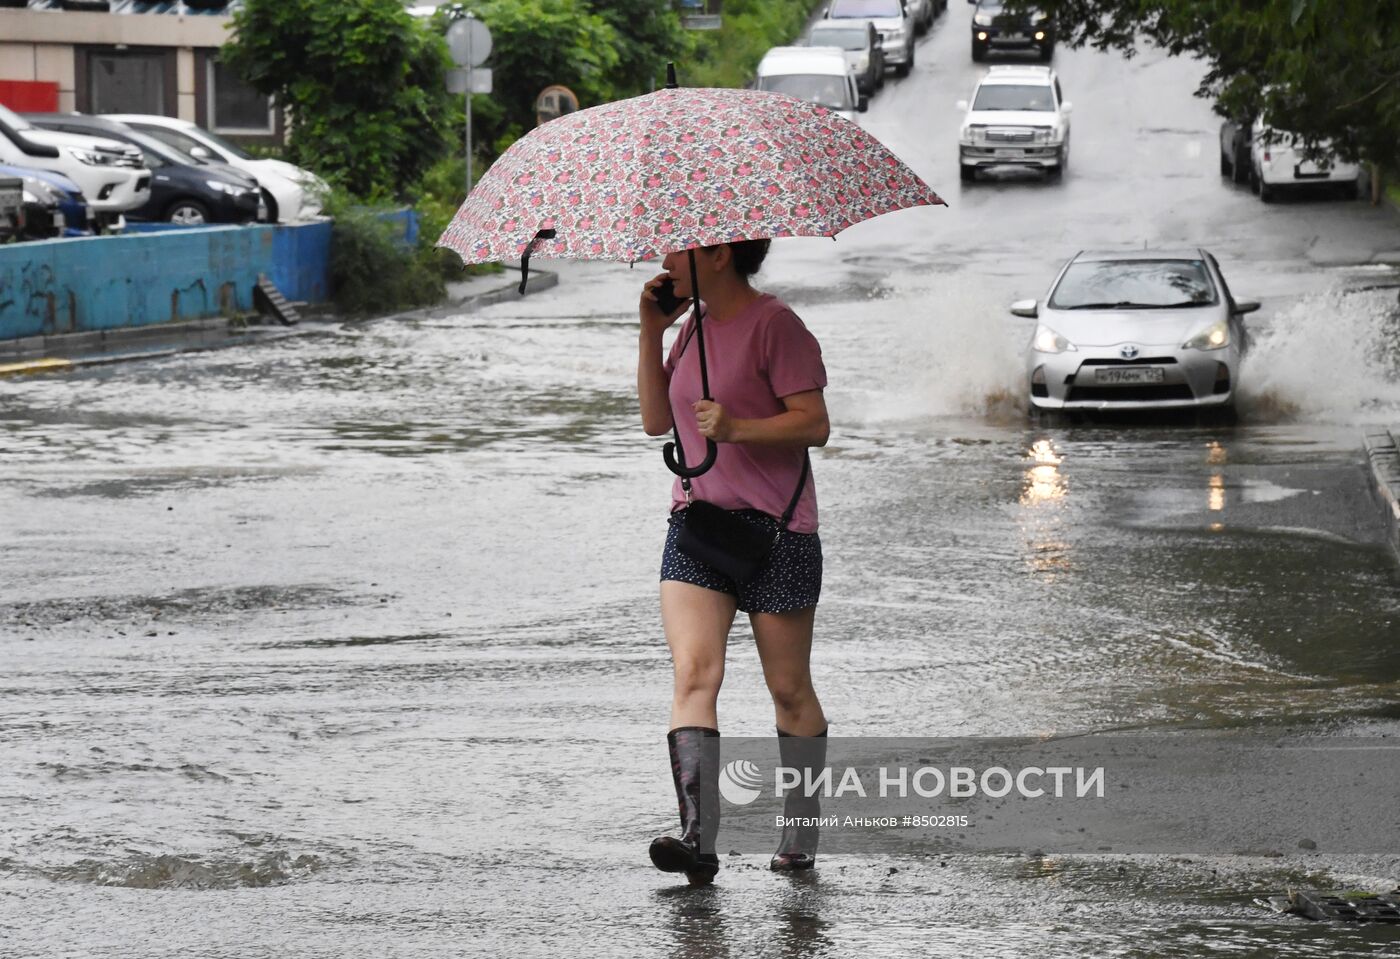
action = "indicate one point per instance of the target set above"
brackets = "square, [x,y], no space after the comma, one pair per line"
[668,453]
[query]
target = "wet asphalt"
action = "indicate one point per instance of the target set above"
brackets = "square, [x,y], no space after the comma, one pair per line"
[348,645]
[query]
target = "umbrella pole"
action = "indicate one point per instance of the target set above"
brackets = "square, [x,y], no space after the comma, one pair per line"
[699,327]
[674,453]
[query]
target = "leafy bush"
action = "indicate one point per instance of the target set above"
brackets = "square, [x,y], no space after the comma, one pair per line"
[372,269]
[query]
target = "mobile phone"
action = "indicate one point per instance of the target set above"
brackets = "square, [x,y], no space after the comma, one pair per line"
[666,299]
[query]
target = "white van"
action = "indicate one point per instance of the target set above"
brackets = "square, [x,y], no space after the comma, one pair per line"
[1278,159]
[112,175]
[818,75]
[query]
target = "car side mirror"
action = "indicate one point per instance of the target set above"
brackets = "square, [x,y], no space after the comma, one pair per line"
[199,153]
[1245,306]
[1026,308]
[961,105]
[862,104]
[1067,107]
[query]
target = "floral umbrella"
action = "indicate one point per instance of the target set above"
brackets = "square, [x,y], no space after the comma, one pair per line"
[677,169]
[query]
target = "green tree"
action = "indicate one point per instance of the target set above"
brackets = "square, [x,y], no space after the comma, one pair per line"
[363,81]
[729,56]
[1325,69]
[535,43]
[649,33]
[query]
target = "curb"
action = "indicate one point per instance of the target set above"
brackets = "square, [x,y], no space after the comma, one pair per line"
[1383,455]
[538,280]
[101,348]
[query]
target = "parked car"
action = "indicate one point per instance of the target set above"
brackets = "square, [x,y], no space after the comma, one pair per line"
[289,192]
[996,28]
[11,207]
[1279,160]
[1142,330]
[78,217]
[816,74]
[111,175]
[865,58]
[43,220]
[1019,117]
[183,190]
[892,19]
[1234,149]
[924,12]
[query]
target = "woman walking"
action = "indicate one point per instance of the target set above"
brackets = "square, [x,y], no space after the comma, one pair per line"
[767,377]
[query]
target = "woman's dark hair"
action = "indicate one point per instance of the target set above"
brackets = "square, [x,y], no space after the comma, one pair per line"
[748,255]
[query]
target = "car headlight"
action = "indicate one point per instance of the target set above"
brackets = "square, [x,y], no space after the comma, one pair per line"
[1048,341]
[982,19]
[1214,337]
[92,157]
[895,35]
[224,187]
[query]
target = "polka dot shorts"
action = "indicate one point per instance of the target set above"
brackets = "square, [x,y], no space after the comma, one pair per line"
[790,579]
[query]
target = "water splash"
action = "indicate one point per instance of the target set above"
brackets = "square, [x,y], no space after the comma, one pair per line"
[1332,357]
[947,349]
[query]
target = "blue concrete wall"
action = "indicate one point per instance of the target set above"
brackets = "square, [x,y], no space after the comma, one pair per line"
[155,276]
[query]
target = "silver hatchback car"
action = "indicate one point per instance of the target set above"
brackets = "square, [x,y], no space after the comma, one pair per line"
[1141,330]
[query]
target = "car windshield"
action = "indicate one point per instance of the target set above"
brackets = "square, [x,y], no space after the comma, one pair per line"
[153,146]
[820,88]
[848,38]
[1134,284]
[232,149]
[1014,96]
[867,8]
[187,144]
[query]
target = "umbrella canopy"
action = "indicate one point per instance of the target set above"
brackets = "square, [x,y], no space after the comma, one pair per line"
[678,169]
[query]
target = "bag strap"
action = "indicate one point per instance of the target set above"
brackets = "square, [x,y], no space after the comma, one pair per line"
[797,495]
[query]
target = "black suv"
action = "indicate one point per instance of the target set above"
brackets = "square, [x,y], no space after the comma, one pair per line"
[994,27]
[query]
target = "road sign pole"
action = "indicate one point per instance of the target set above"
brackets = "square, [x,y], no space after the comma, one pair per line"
[469,110]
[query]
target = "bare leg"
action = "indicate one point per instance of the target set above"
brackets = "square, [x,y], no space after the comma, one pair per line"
[697,622]
[785,649]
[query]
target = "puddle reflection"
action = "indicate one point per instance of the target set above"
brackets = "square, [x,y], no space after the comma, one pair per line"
[1044,491]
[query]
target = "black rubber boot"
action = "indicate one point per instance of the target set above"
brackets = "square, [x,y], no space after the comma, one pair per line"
[695,769]
[797,850]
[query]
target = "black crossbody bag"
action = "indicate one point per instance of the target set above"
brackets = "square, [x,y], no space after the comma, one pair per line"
[725,539]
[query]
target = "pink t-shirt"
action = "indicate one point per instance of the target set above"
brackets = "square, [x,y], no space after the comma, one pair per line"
[754,359]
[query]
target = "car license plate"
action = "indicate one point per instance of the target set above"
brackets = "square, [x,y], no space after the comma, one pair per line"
[1009,153]
[1013,36]
[1127,375]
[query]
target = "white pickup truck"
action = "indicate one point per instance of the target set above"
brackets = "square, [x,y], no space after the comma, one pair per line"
[113,176]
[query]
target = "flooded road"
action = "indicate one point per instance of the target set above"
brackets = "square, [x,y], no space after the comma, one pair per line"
[348,645]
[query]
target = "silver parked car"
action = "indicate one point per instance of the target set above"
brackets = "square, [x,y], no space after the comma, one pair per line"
[1142,330]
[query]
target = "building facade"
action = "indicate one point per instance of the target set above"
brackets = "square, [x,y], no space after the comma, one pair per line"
[129,56]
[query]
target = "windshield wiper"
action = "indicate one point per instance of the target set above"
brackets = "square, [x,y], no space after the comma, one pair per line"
[1120,305]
